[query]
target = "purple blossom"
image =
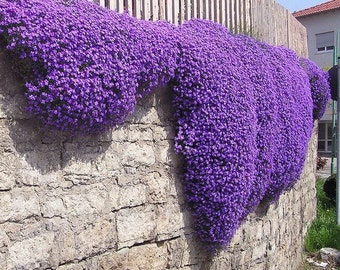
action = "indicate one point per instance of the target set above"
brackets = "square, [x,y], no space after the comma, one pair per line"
[244,108]
[319,83]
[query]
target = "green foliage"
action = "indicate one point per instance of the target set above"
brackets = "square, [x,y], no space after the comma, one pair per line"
[324,231]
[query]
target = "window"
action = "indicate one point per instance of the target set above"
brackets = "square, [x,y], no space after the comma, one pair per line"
[325,137]
[325,42]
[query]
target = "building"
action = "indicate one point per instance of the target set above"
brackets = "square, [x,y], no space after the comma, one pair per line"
[322,23]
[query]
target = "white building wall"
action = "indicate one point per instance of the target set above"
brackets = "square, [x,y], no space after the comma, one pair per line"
[317,24]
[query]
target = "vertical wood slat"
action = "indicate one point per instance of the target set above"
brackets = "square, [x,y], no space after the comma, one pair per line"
[176,10]
[217,11]
[206,10]
[146,14]
[120,6]
[222,12]
[155,10]
[181,11]
[236,16]
[247,8]
[102,3]
[187,10]
[200,14]
[168,10]
[129,6]
[162,9]
[138,9]
[194,8]
[247,16]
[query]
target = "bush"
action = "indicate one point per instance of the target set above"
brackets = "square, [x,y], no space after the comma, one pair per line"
[244,109]
[324,232]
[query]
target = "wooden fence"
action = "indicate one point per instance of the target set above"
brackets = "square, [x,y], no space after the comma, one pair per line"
[264,19]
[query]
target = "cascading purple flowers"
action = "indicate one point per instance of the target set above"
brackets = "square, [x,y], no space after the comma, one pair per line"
[319,83]
[244,109]
[88,64]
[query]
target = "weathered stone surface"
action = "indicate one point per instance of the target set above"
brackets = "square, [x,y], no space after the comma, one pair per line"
[169,221]
[135,155]
[130,196]
[136,225]
[32,253]
[19,204]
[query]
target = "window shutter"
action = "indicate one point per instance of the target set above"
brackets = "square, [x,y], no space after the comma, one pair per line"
[325,40]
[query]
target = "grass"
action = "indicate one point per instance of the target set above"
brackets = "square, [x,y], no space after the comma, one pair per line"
[324,232]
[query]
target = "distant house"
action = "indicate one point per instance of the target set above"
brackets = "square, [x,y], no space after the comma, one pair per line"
[322,23]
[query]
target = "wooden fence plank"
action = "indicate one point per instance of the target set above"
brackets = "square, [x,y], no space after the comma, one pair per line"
[264,19]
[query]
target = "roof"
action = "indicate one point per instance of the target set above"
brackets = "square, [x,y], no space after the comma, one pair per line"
[328,6]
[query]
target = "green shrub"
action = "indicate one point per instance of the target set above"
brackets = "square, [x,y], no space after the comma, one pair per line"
[324,231]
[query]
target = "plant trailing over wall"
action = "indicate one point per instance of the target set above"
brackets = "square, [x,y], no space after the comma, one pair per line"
[318,80]
[244,108]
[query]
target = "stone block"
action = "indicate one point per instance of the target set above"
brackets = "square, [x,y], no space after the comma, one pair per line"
[9,170]
[19,204]
[94,238]
[65,244]
[31,253]
[136,225]
[135,155]
[53,206]
[130,196]
[158,186]
[86,200]
[169,221]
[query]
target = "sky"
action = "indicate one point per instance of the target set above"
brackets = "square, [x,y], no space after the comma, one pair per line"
[296,5]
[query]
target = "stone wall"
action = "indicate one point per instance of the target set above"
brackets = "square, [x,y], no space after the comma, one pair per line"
[115,201]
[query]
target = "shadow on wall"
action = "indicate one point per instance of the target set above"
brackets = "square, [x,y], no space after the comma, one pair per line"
[43,150]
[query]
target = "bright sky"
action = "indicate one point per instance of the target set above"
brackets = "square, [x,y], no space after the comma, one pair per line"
[296,5]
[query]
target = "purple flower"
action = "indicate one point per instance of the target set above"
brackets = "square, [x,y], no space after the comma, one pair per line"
[244,108]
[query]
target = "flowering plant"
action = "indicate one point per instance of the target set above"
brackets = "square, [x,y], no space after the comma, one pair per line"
[320,87]
[244,109]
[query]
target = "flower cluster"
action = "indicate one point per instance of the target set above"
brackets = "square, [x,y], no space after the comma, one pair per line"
[244,109]
[320,87]
[88,64]
[244,119]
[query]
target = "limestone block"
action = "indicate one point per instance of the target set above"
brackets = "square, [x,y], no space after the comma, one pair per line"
[132,196]
[129,178]
[19,204]
[53,206]
[3,261]
[31,253]
[85,200]
[163,132]
[32,177]
[112,202]
[169,221]
[164,152]
[6,142]
[9,167]
[134,155]
[65,243]
[137,133]
[145,115]
[4,240]
[95,238]
[136,225]
[158,186]
[148,257]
